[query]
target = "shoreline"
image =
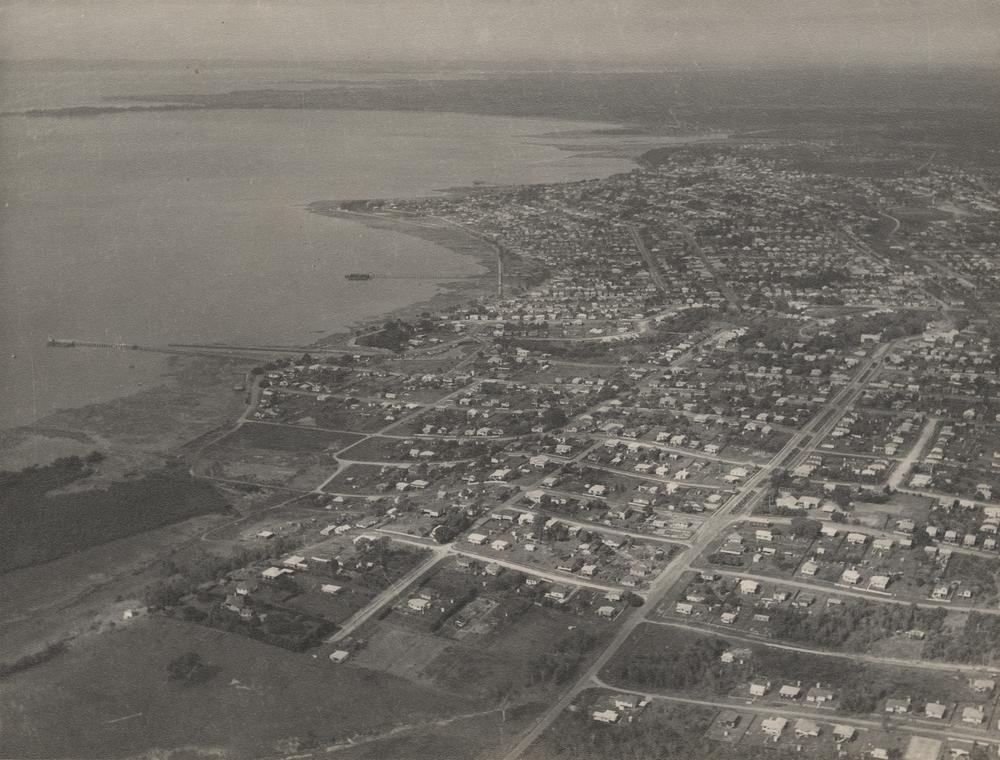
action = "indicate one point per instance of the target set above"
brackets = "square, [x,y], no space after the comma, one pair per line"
[60,431]
[99,425]
[453,291]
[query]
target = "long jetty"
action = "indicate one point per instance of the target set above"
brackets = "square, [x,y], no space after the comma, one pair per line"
[210,349]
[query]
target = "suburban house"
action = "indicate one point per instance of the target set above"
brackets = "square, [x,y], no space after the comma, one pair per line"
[973,715]
[843,733]
[606,716]
[738,656]
[809,568]
[850,576]
[983,685]
[773,726]
[898,706]
[418,604]
[879,582]
[805,727]
[935,710]
[818,695]
[789,691]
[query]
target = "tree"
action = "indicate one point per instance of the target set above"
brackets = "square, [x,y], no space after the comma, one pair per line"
[553,417]
[187,667]
[803,527]
[841,496]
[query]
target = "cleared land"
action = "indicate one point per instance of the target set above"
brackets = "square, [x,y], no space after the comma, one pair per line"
[113,698]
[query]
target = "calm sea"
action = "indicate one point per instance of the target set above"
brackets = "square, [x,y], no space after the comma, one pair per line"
[189,226]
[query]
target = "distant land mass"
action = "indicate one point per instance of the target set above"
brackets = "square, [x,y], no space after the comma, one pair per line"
[955,106]
[102,110]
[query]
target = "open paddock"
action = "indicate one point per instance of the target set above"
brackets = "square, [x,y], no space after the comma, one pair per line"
[275,455]
[475,735]
[112,697]
[400,651]
[286,438]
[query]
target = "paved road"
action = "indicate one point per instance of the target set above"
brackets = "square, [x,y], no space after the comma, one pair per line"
[730,636]
[854,593]
[924,728]
[906,463]
[824,421]
[376,605]
[682,452]
[405,418]
[720,281]
[656,478]
[554,576]
[654,269]
[603,528]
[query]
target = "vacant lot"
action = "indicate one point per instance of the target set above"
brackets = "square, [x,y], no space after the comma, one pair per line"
[533,647]
[113,698]
[333,607]
[402,652]
[276,455]
[255,435]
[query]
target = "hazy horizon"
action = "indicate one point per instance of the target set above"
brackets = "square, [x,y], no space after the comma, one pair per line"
[673,33]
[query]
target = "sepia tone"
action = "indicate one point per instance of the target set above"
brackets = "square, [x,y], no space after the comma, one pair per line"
[499,379]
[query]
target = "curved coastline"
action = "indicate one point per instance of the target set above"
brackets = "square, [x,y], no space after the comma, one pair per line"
[451,291]
[103,424]
[106,422]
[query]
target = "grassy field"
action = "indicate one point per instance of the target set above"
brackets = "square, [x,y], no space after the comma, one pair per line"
[518,647]
[79,593]
[471,736]
[285,438]
[405,653]
[112,698]
[511,654]
[277,455]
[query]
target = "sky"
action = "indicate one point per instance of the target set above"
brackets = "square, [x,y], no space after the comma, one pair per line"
[647,32]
